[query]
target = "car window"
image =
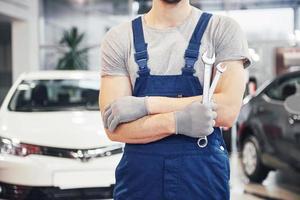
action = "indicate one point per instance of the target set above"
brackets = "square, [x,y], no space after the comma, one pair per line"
[283,88]
[55,95]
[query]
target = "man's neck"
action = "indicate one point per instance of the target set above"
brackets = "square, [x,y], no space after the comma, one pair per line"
[164,15]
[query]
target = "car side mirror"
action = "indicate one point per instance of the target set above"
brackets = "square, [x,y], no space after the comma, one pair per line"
[292,104]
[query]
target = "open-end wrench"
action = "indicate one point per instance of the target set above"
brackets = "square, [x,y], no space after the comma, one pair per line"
[208,64]
[220,69]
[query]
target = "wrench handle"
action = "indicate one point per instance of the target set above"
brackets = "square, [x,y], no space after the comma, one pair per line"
[220,70]
[202,141]
[214,85]
[206,84]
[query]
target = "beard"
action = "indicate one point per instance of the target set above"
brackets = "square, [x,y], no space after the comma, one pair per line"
[171,1]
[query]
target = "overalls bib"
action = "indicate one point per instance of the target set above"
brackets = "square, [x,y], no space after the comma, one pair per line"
[174,168]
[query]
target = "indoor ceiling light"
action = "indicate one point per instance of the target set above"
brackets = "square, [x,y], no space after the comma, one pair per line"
[79,2]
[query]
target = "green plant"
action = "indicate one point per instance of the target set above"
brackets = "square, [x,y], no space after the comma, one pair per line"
[74,58]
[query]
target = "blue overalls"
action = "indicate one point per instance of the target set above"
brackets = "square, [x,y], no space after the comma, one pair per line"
[174,168]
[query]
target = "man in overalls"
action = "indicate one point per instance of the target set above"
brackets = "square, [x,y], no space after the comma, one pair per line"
[151,87]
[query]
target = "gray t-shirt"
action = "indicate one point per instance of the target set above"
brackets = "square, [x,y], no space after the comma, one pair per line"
[166,47]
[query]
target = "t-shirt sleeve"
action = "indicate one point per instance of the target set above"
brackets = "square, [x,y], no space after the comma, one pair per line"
[113,54]
[231,42]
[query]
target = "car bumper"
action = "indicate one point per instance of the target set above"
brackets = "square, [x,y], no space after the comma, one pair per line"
[11,192]
[62,173]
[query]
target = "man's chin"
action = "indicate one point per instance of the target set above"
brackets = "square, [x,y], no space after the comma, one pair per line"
[171,1]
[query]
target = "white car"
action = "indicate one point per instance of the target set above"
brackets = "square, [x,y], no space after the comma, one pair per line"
[52,141]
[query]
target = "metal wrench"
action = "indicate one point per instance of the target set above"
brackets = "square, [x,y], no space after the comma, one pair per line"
[208,64]
[220,70]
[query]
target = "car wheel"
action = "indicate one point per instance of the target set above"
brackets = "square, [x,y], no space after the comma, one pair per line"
[252,165]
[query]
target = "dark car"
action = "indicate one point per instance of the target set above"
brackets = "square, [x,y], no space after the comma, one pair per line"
[269,128]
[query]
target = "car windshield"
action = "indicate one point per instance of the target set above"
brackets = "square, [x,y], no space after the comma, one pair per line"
[55,95]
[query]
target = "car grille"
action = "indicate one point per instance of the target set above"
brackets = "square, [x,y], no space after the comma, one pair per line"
[82,154]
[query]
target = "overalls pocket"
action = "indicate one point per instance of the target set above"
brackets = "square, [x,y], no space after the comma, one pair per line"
[205,175]
[139,177]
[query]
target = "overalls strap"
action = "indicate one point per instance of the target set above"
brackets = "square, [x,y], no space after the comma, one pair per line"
[141,54]
[192,52]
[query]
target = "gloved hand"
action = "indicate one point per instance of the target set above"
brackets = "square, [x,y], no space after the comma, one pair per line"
[196,120]
[124,109]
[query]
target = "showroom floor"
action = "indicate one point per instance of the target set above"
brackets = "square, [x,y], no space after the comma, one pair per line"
[277,186]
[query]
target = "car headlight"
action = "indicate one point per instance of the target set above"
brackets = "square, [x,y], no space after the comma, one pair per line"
[13,147]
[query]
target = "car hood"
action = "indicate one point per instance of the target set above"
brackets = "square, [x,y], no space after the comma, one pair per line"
[76,130]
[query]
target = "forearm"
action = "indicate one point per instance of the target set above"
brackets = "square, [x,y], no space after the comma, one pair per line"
[144,130]
[228,107]
[158,105]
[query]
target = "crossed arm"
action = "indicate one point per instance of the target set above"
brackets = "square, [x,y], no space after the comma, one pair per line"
[161,122]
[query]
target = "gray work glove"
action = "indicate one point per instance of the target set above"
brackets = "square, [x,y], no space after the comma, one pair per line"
[124,109]
[196,120]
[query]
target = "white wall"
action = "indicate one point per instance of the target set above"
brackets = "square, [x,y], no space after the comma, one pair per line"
[266,29]
[25,38]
